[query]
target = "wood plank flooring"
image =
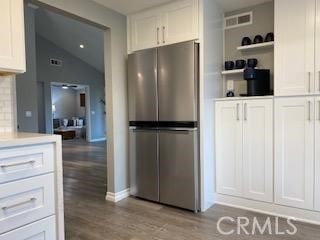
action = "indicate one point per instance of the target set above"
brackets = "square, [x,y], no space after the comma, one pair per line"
[89,217]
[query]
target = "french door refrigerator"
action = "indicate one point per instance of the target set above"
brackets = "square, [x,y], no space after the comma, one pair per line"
[163,127]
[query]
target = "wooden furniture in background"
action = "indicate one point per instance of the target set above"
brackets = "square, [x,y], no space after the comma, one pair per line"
[82,99]
[66,134]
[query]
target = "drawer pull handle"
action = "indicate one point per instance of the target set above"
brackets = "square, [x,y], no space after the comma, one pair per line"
[31,200]
[18,164]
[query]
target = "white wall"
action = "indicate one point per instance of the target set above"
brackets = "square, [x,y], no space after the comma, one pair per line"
[211,52]
[116,83]
[65,101]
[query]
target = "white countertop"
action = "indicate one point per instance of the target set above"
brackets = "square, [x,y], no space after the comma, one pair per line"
[243,98]
[18,139]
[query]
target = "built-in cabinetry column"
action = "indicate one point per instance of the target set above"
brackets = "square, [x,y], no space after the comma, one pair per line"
[294,152]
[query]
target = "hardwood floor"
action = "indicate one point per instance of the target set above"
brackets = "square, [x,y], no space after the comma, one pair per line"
[89,217]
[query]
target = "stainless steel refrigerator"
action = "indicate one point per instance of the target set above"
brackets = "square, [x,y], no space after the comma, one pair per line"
[164,129]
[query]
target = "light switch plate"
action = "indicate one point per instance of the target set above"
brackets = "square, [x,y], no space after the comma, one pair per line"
[230,85]
[28,114]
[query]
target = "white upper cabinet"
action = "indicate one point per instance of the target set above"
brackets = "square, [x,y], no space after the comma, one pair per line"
[180,22]
[145,30]
[294,152]
[258,149]
[229,147]
[12,44]
[172,23]
[317,153]
[294,47]
[317,50]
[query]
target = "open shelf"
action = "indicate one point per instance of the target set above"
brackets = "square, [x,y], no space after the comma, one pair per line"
[236,71]
[255,46]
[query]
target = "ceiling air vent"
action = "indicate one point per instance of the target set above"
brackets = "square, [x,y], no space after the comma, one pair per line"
[55,62]
[238,20]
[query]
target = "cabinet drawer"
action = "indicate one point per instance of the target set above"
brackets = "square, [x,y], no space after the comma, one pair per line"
[26,201]
[41,230]
[26,162]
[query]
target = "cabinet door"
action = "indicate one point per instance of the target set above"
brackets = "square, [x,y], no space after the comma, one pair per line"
[258,149]
[294,152]
[145,30]
[294,48]
[317,149]
[317,56]
[229,147]
[12,45]
[180,22]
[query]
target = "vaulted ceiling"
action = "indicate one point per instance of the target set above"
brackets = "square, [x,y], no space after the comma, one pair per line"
[69,34]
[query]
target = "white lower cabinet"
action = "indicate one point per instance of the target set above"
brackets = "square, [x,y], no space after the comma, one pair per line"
[31,190]
[244,148]
[26,201]
[229,147]
[42,230]
[294,152]
[317,154]
[258,150]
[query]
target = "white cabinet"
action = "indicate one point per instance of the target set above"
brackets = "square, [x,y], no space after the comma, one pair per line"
[229,147]
[317,49]
[43,230]
[12,45]
[258,149]
[145,30]
[180,22]
[294,152]
[31,188]
[244,148]
[168,24]
[294,47]
[317,153]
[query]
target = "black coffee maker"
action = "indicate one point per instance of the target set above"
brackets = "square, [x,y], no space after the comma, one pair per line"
[258,81]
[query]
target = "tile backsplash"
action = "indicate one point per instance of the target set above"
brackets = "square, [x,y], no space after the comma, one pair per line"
[7,104]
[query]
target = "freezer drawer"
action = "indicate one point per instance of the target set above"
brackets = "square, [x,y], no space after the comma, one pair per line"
[179,162]
[178,82]
[144,164]
[142,86]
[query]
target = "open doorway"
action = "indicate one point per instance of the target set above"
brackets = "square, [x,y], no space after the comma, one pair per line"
[71,116]
[63,92]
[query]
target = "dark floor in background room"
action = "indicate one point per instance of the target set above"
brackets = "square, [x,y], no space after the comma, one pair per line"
[89,217]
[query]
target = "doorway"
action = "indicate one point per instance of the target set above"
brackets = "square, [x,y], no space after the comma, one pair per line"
[71,116]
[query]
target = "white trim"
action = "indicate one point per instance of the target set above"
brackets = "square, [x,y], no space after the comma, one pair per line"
[117,197]
[300,215]
[97,140]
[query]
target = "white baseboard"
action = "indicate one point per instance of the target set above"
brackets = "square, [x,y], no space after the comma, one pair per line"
[116,197]
[97,140]
[300,215]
